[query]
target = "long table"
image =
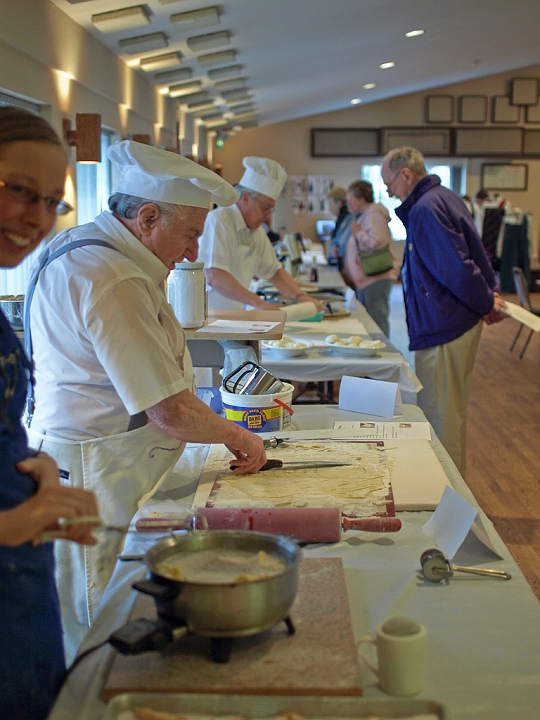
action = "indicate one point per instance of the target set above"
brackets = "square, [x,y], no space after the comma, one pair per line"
[483,653]
[324,365]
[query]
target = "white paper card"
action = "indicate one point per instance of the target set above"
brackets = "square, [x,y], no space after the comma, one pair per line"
[371,397]
[523,316]
[386,431]
[451,521]
[239,327]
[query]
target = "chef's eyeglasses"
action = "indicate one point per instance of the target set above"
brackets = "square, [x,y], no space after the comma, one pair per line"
[264,207]
[25,195]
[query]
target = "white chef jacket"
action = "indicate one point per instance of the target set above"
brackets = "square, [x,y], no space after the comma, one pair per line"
[106,341]
[228,244]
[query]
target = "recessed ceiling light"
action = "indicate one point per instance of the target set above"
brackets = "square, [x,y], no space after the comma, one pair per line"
[369,86]
[230,84]
[125,19]
[225,72]
[173,76]
[238,94]
[218,122]
[160,62]
[386,65]
[185,88]
[356,101]
[143,43]
[194,97]
[207,42]
[241,109]
[414,33]
[196,19]
[219,58]
[201,105]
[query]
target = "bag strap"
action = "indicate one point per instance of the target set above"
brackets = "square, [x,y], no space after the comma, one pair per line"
[137,420]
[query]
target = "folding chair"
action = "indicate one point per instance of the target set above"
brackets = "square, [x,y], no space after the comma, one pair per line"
[525,302]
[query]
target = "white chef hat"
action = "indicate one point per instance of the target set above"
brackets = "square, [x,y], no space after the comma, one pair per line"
[264,176]
[163,176]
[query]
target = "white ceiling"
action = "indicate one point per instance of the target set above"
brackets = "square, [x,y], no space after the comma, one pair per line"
[303,57]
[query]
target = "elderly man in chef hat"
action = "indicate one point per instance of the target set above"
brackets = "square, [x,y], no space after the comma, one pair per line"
[113,398]
[235,248]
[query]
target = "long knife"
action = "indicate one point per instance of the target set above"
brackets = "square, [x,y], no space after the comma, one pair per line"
[275,464]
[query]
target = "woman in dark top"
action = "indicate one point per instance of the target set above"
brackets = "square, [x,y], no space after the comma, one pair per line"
[32,176]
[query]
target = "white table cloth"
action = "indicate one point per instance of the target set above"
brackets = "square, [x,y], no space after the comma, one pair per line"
[483,652]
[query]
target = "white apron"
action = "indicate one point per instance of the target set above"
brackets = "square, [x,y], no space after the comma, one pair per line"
[124,471]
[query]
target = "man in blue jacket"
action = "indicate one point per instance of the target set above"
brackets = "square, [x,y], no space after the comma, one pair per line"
[449,288]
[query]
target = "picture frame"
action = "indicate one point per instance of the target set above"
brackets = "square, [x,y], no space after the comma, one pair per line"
[472,109]
[532,113]
[503,111]
[505,176]
[439,109]
[524,91]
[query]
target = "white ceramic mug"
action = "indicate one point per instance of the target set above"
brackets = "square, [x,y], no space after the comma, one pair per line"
[401,651]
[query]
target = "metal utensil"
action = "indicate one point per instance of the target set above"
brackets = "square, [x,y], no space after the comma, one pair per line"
[437,567]
[275,464]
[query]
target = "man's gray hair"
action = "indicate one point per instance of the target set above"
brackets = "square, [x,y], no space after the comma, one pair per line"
[406,157]
[127,206]
[241,190]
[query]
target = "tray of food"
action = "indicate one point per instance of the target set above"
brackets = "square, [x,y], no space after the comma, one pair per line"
[179,706]
[354,345]
[287,347]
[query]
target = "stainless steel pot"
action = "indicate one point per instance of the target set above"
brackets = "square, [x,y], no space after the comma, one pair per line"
[223,610]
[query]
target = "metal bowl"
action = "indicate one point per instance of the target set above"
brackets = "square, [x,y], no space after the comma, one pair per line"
[13,308]
[228,609]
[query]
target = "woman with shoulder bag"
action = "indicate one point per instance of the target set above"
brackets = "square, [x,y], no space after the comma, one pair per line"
[369,260]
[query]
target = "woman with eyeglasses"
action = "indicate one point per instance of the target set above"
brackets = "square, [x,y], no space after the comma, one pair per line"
[32,501]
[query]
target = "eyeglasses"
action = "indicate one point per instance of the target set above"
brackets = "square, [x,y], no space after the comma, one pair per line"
[389,186]
[265,208]
[25,195]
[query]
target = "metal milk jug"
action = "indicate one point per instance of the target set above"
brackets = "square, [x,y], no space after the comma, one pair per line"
[186,291]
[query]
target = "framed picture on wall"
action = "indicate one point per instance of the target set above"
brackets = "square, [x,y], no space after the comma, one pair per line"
[524,91]
[503,111]
[532,113]
[439,108]
[504,176]
[472,109]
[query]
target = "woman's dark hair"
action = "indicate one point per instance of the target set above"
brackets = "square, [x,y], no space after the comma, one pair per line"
[362,189]
[18,125]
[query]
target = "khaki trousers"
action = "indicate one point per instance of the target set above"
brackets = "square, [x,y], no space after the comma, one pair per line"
[445,371]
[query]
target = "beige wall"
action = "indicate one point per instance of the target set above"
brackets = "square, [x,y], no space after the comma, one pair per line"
[289,143]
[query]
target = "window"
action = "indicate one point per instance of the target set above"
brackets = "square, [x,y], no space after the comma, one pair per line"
[452,174]
[94,184]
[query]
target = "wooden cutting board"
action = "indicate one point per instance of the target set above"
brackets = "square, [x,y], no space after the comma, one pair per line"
[319,659]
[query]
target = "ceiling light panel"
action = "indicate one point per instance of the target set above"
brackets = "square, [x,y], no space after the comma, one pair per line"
[207,42]
[216,123]
[173,76]
[196,19]
[201,105]
[160,62]
[124,19]
[239,109]
[219,58]
[225,72]
[212,116]
[185,88]
[231,84]
[239,94]
[144,43]
[193,97]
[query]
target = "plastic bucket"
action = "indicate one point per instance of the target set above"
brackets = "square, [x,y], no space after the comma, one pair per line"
[259,413]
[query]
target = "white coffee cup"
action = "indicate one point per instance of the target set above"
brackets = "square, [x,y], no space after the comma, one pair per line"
[401,652]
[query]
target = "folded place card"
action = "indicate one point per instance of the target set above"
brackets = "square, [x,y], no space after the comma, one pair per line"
[371,397]
[450,524]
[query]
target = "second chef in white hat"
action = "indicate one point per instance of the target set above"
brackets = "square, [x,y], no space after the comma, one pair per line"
[235,248]
[114,400]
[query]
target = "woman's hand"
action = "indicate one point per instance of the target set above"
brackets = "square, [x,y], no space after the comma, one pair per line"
[51,503]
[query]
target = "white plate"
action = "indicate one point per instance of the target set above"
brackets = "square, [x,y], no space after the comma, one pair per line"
[354,350]
[287,352]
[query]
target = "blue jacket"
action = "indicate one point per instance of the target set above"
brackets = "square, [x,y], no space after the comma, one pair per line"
[447,279]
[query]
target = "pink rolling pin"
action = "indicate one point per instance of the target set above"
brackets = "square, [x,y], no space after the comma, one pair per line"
[323,525]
